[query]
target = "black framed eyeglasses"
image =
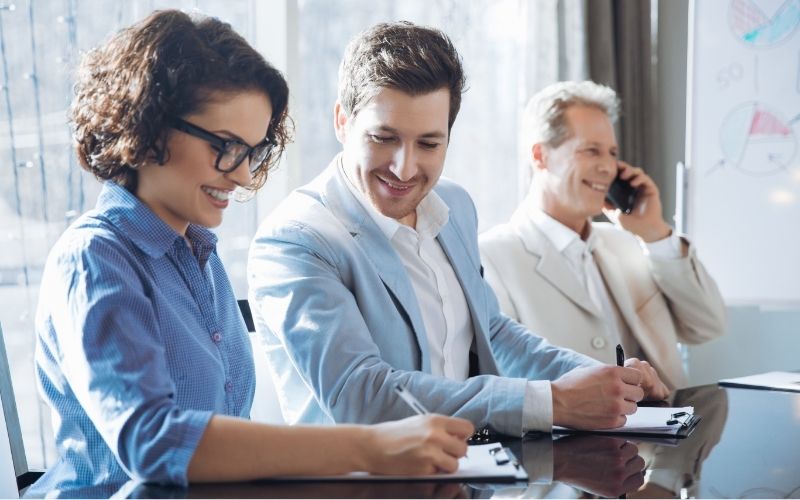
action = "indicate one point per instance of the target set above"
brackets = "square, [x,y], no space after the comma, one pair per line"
[230,152]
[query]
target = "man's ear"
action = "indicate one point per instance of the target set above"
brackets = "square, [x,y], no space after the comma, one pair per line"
[340,120]
[538,157]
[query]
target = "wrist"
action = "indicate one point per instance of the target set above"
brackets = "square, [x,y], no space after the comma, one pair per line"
[558,409]
[656,233]
[362,447]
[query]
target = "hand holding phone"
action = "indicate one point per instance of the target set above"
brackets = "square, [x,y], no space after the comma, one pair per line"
[622,195]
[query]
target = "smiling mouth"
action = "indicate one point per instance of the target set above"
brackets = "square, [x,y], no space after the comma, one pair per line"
[597,186]
[400,188]
[218,194]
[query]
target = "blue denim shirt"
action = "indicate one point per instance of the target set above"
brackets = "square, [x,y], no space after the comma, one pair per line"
[139,343]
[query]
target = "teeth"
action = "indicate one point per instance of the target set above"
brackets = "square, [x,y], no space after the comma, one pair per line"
[217,194]
[395,186]
[597,187]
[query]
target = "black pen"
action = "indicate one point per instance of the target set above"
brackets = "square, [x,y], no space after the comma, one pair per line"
[621,362]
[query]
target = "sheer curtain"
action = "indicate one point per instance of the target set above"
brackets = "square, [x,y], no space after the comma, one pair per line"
[510,50]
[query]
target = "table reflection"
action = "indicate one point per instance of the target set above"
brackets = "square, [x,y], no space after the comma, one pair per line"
[675,469]
[745,446]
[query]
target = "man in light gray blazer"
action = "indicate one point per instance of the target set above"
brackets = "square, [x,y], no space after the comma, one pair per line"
[590,286]
[369,277]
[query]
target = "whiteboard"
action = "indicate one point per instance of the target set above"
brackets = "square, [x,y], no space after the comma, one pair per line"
[743,146]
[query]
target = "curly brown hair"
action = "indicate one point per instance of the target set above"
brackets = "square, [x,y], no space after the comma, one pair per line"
[165,66]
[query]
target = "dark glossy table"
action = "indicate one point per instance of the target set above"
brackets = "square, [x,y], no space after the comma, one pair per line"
[746,446]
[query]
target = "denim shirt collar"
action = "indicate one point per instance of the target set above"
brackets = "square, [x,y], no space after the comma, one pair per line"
[145,229]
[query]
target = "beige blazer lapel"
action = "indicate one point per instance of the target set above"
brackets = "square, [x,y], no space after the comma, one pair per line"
[550,264]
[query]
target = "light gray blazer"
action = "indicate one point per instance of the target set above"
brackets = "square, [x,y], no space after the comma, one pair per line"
[341,325]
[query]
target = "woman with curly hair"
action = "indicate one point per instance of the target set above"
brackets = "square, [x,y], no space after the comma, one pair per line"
[141,351]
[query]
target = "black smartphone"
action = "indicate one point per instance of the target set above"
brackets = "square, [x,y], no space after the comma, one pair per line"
[622,195]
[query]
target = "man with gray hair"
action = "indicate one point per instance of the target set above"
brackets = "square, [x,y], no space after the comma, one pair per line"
[590,286]
[368,279]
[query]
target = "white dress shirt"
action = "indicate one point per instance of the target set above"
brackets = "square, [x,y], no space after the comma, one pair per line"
[444,309]
[442,304]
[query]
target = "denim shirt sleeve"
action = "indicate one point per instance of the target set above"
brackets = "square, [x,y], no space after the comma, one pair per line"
[108,343]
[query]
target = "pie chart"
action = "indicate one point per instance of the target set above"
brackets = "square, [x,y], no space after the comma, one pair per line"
[757,140]
[752,23]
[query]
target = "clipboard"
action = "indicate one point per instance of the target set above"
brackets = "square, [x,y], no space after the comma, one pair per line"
[650,422]
[491,462]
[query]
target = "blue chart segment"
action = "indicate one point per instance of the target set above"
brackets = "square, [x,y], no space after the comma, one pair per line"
[753,26]
[757,140]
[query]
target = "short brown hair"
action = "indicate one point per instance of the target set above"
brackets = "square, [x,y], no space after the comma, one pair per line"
[165,66]
[402,56]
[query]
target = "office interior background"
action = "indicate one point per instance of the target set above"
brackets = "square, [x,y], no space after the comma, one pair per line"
[510,48]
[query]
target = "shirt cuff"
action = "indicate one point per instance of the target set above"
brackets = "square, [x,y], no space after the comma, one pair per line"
[669,479]
[186,444]
[537,407]
[667,248]
[538,460]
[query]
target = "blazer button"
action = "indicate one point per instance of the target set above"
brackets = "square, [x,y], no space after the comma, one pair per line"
[598,342]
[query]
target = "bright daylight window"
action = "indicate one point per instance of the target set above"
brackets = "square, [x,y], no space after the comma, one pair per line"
[508,53]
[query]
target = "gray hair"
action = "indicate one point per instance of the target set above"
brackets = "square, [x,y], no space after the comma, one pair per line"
[544,121]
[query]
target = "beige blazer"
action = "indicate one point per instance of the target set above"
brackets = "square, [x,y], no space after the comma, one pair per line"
[662,301]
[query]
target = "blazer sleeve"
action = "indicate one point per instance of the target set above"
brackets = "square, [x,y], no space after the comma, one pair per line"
[495,281]
[296,280]
[695,301]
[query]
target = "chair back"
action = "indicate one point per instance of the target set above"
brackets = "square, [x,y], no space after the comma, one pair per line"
[14,473]
[266,405]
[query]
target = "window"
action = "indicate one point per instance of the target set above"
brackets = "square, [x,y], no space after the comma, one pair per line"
[43,189]
[510,49]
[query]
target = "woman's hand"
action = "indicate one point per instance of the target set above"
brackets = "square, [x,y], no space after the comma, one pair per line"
[425,444]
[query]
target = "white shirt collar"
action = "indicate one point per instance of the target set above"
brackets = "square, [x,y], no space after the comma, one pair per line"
[432,212]
[561,236]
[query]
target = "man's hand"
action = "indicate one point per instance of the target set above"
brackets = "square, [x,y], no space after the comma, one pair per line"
[596,398]
[645,220]
[654,388]
[602,465]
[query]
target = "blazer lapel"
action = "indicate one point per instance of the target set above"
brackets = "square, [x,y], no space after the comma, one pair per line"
[471,281]
[551,265]
[378,250]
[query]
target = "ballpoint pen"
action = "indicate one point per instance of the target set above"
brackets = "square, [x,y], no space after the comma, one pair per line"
[410,400]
